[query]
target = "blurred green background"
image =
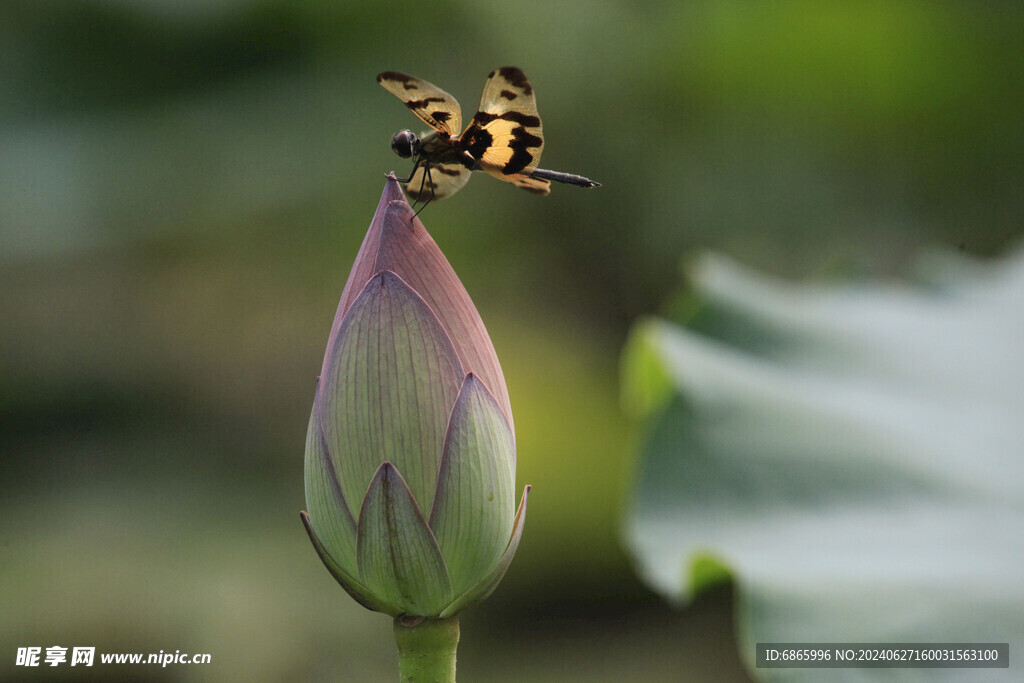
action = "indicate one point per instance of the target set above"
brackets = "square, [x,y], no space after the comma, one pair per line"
[184,186]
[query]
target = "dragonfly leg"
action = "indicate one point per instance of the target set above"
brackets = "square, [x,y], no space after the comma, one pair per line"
[419,160]
[426,179]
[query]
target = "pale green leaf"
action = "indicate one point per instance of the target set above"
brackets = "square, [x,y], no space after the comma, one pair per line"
[646,385]
[851,456]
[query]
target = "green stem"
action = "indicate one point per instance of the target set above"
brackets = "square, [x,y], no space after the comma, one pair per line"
[426,649]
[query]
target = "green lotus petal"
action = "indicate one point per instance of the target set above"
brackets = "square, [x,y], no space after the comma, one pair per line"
[388,390]
[398,243]
[358,591]
[474,507]
[328,511]
[399,560]
[486,586]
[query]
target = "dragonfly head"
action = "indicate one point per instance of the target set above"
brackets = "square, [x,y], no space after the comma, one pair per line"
[405,143]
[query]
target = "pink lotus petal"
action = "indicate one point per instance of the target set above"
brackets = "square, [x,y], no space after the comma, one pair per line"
[403,246]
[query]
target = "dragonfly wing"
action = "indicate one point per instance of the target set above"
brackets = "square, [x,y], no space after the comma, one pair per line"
[505,135]
[444,180]
[534,185]
[433,106]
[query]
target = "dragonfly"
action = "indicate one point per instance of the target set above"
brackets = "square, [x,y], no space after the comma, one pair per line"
[504,139]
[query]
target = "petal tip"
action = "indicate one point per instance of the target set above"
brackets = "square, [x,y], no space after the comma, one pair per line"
[392,187]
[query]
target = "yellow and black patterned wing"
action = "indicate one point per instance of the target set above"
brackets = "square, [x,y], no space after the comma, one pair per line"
[434,106]
[505,135]
[534,185]
[444,179]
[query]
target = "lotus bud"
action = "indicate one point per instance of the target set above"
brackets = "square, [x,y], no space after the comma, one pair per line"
[410,451]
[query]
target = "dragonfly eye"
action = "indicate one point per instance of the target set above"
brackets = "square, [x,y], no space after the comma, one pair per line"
[404,143]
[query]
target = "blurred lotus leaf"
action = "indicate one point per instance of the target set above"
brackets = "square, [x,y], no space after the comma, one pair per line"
[850,456]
